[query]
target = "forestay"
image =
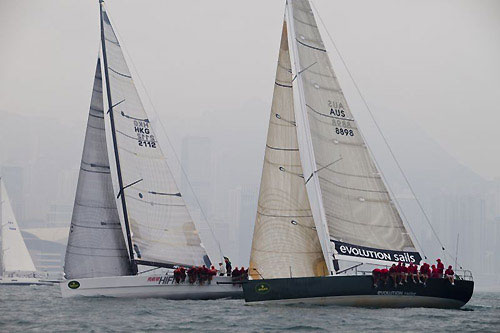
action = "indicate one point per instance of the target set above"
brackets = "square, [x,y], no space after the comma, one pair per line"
[15,255]
[96,246]
[162,230]
[361,217]
[285,242]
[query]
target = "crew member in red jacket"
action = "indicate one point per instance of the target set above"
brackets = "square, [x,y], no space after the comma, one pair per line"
[404,273]
[393,272]
[434,272]
[384,275]
[440,268]
[424,272]
[182,273]
[450,275]
[412,272]
[177,275]
[376,276]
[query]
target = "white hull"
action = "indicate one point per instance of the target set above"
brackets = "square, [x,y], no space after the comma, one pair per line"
[375,301]
[22,281]
[144,286]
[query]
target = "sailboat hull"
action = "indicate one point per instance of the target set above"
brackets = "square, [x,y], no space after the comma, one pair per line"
[20,281]
[359,291]
[154,286]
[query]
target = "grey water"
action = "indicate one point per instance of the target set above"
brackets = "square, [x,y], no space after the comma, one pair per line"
[41,308]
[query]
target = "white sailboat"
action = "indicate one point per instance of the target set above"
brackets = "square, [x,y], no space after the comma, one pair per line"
[322,197]
[15,259]
[130,222]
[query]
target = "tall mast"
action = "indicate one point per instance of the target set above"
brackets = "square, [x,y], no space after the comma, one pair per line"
[133,264]
[307,151]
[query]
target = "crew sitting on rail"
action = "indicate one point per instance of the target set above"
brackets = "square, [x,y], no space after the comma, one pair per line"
[211,273]
[243,273]
[177,275]
[434,272]
[384,275]
[235,274]
[450,275]
[404,273]
[440,268]
[424,272]
[413,272]
[393,272]
[191,273]
[376,275]
[182,271]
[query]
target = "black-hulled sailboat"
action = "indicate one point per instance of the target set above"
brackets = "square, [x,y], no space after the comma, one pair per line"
[129,219]
[322,198]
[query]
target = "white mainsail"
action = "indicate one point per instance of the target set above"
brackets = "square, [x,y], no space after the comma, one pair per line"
[16,258]
[285,242]
[161,229]
[346,199]
[96,246]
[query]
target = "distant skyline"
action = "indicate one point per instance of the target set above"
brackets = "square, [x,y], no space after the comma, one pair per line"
[434,63]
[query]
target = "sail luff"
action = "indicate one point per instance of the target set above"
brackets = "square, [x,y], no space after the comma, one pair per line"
[307,152]
[133,265]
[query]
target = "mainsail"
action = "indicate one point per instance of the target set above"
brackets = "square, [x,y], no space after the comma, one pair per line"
[159,227]
[96,246]
[361,217]
[15,256]
[353,213]
[285,241]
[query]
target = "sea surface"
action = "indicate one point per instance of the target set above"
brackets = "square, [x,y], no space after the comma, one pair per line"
[41,308]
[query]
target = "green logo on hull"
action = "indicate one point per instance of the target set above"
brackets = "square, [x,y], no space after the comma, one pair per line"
[73,284]
[262,288]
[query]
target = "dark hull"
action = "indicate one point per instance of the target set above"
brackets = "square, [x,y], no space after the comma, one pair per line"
[359,291]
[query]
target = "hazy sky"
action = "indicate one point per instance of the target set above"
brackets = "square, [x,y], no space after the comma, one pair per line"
[209,65]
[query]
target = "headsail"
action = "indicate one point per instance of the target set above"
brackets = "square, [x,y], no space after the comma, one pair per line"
[285,242]
[15,255]
[96,246]
[161,229]
[362,219]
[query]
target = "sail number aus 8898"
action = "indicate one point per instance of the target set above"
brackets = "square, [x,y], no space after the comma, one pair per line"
[344,131]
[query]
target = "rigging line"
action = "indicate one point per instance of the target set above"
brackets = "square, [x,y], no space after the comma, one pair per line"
[171,145]
[380,130]
[131,184]
[326,166]
[303,70]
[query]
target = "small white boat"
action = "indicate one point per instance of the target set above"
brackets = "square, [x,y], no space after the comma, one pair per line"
[143,286]
[129,214]
[17,267]
[23,281]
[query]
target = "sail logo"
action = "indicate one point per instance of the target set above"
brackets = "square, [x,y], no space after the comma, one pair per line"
[377,254]
[73,284]
[262,288]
